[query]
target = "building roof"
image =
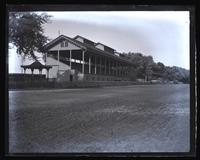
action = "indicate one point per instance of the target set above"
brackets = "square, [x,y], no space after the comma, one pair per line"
[104,45]
[36,65]
[83,38]
[60,38]
[85,47]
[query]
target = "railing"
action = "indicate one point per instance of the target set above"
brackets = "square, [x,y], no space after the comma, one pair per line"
[17,77]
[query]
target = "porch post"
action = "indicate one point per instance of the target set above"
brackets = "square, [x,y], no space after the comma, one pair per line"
[115,65]
[83,60]
[58,56]
[111,67]
[108,67]
[121,70]
[126,68]
[32,70]
[100,65]
[95,66]
[70,59]
[117,68]
[89,64]
[105,67]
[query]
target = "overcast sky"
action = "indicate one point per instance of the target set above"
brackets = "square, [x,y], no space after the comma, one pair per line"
[161,34]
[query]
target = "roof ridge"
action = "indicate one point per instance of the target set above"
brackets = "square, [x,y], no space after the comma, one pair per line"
[84,46]
[83,37]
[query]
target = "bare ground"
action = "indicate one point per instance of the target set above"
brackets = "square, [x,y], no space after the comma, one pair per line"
[141,118]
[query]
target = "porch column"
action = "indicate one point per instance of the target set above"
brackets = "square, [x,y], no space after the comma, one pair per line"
[119,69]
[126,70]
[70,59]
[89,64]
[32,70]
[100,65]
[112,68]
[58,56]
[109,67]
[122,70]
[83,60]
[24,70]
[95,66]
[40,71]
[115,68]
[105,67]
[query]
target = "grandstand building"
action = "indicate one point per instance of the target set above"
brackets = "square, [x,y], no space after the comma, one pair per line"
[81,59]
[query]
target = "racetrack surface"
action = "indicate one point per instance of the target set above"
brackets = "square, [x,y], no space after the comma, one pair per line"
[138,118]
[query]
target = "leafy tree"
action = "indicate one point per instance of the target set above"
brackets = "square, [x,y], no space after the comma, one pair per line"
[142,65]
[138,68]
[145,67]
[26,32]
[148,64]
[159,70]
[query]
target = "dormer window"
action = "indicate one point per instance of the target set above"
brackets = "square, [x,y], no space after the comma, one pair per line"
[64,44]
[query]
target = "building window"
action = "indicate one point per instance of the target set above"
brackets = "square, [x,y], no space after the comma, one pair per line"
[64,44]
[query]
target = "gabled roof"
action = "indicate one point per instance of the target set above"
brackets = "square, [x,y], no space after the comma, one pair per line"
[58,39]
[83,38]
[84,46]
[104,45]
[102,52]
[36,65]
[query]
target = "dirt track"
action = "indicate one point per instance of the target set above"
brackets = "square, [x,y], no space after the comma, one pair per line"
[149,118]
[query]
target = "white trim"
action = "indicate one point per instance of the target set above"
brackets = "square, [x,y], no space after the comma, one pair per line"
[66,38]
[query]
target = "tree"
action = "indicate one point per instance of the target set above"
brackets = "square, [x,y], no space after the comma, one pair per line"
[159,70]
[145,67]
[142,66]
[148,64]
[138,67]
[26,32]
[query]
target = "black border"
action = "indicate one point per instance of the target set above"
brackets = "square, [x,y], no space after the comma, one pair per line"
[25,5]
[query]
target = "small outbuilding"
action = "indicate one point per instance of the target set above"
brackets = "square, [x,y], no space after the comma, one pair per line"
[37,65]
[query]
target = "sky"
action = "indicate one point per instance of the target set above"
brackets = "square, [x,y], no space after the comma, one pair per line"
[162,34]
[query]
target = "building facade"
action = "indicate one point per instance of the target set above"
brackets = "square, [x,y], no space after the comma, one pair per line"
[78,58]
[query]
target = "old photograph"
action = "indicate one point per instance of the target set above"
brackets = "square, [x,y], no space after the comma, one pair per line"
[99,81]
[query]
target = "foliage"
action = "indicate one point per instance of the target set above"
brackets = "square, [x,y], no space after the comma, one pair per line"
[144,67]
[26,32]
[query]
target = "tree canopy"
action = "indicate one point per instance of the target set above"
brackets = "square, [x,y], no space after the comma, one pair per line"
[26,32]
[145,68]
